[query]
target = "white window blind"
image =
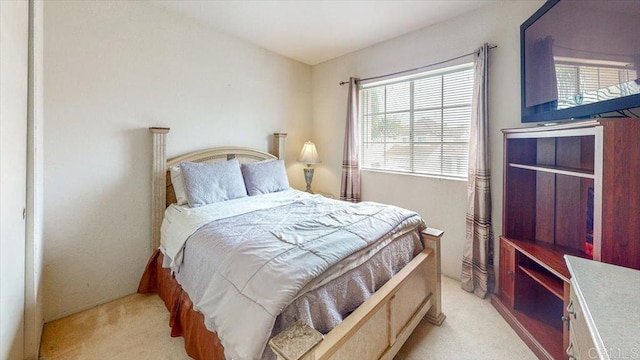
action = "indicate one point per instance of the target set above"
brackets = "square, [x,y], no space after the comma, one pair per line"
[582,84]
[420,125]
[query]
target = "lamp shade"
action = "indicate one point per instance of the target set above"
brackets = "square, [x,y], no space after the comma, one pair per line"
[309,154]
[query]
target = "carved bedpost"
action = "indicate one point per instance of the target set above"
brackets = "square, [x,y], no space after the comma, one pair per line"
[158,183]
[432,239]
[278,144]
[297,342]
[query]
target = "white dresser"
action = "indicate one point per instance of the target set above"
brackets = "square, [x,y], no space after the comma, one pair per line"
[603,310]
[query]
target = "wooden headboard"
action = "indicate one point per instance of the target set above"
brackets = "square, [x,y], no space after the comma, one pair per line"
[162,194]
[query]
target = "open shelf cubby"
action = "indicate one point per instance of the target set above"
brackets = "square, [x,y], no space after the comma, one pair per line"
[542,277]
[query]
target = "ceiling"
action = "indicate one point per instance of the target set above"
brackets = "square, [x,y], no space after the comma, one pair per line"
[315,31]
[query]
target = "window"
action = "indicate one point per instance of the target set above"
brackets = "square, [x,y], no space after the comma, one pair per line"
[420,125]
[583,84]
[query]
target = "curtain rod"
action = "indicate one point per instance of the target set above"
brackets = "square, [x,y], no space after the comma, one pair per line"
[491,46]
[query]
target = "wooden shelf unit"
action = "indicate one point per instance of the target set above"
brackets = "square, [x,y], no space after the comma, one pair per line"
[563,184]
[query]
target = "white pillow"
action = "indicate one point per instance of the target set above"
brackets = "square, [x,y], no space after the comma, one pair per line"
[178,185]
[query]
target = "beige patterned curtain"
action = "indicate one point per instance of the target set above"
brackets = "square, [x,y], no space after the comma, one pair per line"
[350,187]
[477,263]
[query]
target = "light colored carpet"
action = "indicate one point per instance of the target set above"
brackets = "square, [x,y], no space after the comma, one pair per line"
[473,329]
[134,327]
[137,327]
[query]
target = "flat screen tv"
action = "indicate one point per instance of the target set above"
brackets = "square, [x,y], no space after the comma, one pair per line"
[580,59]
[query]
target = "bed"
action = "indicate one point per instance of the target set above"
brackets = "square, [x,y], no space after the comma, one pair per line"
[391,283]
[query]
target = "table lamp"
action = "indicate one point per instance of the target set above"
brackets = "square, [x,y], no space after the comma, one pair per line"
[309,156]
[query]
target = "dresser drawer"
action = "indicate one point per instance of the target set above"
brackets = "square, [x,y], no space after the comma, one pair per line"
[581,344]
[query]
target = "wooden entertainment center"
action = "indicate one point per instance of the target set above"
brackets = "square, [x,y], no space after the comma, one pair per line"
[564,184]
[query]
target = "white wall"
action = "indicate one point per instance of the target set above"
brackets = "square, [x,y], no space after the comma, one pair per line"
[14,21]
[112,69]
[441,202]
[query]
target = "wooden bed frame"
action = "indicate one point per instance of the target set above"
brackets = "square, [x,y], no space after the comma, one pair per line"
[375,330]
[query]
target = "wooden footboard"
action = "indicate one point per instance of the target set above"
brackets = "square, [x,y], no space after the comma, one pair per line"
[379,327]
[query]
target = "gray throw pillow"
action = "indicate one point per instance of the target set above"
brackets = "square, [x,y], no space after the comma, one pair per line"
[265,177]
[208,183]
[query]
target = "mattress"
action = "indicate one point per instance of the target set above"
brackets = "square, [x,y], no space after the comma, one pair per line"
[322,302]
